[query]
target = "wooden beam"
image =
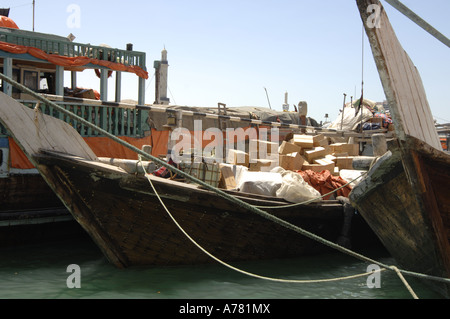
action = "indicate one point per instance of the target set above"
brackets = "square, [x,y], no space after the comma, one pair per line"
[401,81]
[59,82]
[118,87]
[7,70]
[104,85]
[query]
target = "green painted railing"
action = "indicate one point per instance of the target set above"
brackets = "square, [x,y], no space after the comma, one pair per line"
[52,44]
[116,120]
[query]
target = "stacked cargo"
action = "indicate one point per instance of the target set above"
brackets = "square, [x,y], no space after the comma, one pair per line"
[318,155]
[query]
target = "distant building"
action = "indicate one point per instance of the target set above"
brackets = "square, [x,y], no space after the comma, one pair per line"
[161,75]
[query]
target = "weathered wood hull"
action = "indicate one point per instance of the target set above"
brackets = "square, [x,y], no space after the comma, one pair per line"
[405,199]
[27,191]
[31,211]
[124,217]
[412,221]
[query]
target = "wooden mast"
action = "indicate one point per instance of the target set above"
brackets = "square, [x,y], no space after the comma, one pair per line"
[401,81]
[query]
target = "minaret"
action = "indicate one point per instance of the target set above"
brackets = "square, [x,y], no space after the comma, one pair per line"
[162,71]
[286,104]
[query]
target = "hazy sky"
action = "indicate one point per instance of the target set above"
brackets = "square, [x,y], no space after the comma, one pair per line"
[229,51]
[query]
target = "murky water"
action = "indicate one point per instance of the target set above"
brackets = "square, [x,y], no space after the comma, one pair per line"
[40,272]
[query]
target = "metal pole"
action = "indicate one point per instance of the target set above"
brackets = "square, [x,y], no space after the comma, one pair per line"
[419,21]
[343,109]
[268,98]
[34,11]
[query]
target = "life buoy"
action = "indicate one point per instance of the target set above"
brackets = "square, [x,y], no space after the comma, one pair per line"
[97,72]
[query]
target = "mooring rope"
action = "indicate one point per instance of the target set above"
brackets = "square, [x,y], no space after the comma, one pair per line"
[296,281]
[148,176]
[216,190]
[397,271]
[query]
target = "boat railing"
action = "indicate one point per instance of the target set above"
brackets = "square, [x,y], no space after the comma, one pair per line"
[64,47]
[115,118]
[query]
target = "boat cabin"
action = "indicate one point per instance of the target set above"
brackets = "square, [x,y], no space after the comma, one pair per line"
[40,61]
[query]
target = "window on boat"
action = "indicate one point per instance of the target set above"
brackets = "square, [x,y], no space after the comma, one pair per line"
[16,77]
[47,83]
[30,79]
[43,84]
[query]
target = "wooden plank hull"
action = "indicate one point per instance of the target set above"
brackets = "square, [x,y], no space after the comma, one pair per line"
[31,211]
[405,198]
[27,191]
[127,221]
[27,199]
[413,223]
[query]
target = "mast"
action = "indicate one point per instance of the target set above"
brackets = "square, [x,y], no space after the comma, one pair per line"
[34,11]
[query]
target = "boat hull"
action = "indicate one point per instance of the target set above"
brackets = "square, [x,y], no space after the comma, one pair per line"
[127,221]
[30,211]
[412,222]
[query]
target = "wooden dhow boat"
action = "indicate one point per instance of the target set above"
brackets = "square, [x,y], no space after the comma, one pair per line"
[119,209]
[405,198]
[29,209]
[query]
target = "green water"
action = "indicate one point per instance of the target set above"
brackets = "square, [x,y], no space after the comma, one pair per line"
[39,271]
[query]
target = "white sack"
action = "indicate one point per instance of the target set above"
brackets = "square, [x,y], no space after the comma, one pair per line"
[260,183]
[294,189]
[352,120]
[350,174]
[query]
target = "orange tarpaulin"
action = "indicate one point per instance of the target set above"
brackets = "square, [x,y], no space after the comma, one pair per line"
[18,158]
[159,142]
[325,183]
[6,22]
[71,61]
[101,146]
[106,147]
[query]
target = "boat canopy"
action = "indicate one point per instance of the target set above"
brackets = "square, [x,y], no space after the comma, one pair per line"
[71,61]
[6,22]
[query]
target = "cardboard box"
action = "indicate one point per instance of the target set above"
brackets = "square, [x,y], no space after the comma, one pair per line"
[350,149]
[288,148]
[292,162]
[340,154]
[321,143]
[264,146]
[320,140]
[331,157]
[263,165]
[237,157]
[227,179]
[317,152]
[336,171]
[304,141]
[344,162]
[323,161]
